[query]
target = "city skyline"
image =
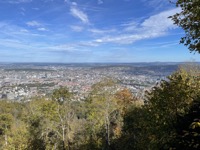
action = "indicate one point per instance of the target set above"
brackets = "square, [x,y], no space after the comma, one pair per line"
[65,31]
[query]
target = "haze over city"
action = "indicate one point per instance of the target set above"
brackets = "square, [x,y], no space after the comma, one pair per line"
[90,31]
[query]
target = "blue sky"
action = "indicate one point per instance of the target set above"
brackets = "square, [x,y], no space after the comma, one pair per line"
[90,31]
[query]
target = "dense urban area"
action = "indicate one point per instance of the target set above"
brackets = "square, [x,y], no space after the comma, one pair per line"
[99,106]
[104,106]
[24,81]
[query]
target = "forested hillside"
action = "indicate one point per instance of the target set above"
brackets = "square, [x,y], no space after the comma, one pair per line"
[111,119]
[108,119]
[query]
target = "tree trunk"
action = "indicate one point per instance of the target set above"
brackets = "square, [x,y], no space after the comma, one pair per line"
[63,138]
[68,142]
[107,128]
[107,132]
[6,140]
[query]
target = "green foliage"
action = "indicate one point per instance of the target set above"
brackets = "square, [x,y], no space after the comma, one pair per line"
[18,137]
[135,130]
[54,124]
[155,125]
[5,123]
[103,115]
[188,128]
[61,95]
[11,126]
[167,102]
[108,119]
[35,129]
[125,100]
[189,20]
[174,95]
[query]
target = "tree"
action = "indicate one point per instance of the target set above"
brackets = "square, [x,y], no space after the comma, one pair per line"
[61,95]
[189,20]
[125,100]
[39,116]
[154,125]
[5,125]
[12,126]
[188,128]
[54,123]
[18,136]
[135,135]
[102,115]
[67,123]
[167,102]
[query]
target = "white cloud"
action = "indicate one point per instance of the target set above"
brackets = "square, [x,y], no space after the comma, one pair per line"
[22,13]
[37,46]
[12,43]
[160,22]
[34,24]
[24,30]
[155,26]
[122,39]
[16,32]
[80,15]
[76,28]
[22,39]
[98,31]
[42,29]
[74,3]
[24,1]
[88,44]
[100,2]
[23,10]
[62,47]
[37,25]
[3,24]
[159,4]
[15,1]
[131,26]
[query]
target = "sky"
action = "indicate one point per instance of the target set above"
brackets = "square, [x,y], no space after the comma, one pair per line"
[66,31]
